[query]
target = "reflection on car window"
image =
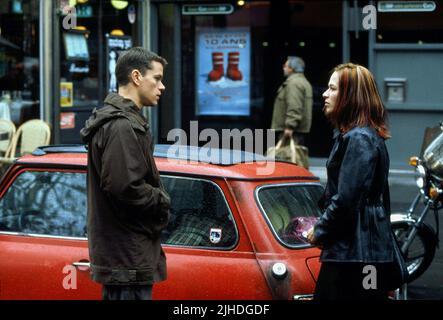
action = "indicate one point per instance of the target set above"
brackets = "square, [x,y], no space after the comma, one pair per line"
[291,210]
[199,215]
[45,203]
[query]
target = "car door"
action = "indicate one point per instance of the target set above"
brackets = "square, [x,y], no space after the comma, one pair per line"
[43,246]
[207,249]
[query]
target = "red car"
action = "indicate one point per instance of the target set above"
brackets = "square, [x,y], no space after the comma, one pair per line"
[234,232]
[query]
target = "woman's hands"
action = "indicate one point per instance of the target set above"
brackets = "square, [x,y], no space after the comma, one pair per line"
[311,238]
[310,235]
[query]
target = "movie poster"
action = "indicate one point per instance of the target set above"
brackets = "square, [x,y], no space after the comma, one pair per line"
[115,45]
[223,71]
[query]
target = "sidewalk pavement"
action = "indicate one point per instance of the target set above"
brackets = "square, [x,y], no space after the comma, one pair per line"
[398,175]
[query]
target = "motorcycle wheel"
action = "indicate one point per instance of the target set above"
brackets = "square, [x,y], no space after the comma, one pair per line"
[420,254]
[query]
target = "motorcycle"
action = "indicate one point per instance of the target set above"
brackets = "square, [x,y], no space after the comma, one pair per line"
[417,239]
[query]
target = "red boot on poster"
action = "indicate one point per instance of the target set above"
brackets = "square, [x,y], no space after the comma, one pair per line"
[233,61]
[217,67]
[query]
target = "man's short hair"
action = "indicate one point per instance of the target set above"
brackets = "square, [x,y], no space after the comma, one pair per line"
[296,63]
[135,58]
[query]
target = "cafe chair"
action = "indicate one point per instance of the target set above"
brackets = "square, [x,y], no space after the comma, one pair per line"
[29,136]
[7,131]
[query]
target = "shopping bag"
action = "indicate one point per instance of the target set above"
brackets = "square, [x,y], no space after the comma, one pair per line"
[297,230]
[302,156]
[284,150]
[287,150]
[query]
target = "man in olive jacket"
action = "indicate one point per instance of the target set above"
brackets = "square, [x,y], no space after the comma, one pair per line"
[293,105]
[127,205]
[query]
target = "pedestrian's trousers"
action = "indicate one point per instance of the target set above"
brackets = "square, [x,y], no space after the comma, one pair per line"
[132,292]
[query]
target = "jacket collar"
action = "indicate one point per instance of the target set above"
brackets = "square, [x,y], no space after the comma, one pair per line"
[121,103]
[336,133]
[295,75]
[291,77]
[126,105]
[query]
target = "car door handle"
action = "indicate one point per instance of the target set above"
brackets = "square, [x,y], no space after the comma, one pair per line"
[82,265]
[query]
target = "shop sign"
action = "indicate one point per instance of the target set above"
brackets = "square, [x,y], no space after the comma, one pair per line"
[73,68]
[223,71]
[131,14]
[115,45]
[84,11]
[199,9]
[76,46]
[406,6]
[17,7]
[66,94]
[67,120]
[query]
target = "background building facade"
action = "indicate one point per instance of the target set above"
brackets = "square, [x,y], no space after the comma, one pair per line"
[225,60]
[404,51]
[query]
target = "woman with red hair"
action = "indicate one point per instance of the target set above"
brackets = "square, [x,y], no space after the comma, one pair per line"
[354,231]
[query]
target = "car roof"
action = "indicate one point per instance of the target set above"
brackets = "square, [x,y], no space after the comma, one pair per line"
[184,159]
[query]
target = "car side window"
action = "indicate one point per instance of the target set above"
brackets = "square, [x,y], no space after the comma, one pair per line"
[291,209]
[200,216]
[45,203]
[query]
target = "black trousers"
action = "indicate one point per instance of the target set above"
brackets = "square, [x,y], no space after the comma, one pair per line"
[346,281]
[132,292]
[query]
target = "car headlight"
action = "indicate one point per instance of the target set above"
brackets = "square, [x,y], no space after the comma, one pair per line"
[420,175]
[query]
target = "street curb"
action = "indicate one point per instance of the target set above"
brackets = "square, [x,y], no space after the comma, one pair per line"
[396,176]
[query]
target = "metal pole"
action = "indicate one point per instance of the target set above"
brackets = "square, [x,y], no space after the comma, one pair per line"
[371,45]
[45,52]
[145,32]
[101,85]
[413,233]
[177,67]
[414,205]
[345,33]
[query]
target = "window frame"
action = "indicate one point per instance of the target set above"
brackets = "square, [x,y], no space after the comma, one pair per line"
[265,216]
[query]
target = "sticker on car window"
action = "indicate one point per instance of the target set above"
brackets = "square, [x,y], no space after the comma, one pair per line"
[215,235]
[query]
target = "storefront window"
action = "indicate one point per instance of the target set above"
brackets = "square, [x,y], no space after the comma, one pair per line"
[221,53]
[19,60]
[410,26]
[88,54]
[316,36]
[231,64]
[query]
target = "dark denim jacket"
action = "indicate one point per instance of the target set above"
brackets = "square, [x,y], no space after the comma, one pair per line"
[355,226]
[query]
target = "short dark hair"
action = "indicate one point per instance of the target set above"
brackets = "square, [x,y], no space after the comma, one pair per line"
[135,58]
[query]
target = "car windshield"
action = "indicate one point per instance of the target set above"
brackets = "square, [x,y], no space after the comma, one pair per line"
[291,210]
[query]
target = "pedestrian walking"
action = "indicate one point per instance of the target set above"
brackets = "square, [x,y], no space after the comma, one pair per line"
[292,115]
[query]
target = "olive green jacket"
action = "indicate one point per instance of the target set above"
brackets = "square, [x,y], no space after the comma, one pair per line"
[293,105]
